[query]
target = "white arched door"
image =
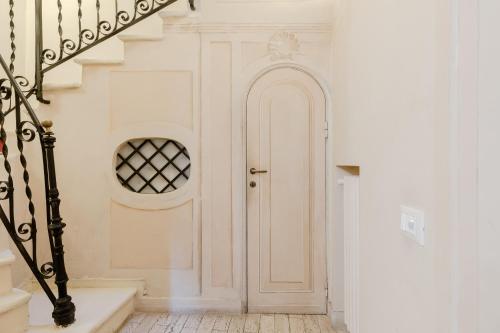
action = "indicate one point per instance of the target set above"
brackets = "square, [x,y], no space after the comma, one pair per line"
[286,112]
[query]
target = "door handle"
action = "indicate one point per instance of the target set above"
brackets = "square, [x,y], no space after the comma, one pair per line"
[254,171]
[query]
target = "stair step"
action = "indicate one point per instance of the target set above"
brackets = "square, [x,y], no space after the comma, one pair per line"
[111,51]
[180,8]
[98,310]
[14,311]
[149,29]
[66,76]
[6,260]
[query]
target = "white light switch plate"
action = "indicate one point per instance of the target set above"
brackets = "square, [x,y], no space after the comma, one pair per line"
[413,224]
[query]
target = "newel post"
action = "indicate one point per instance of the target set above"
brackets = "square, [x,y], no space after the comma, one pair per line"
[64,309]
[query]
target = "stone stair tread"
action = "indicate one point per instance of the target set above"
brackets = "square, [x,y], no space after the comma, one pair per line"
[68,75]
[13,300]
[109,52]
[94,307]
[177,9]
[149,29]
[6,258]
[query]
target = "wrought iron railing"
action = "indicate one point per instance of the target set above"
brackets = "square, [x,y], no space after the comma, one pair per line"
[27,129]
[15,91]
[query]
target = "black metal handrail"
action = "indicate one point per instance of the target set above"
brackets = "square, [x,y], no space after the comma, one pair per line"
[27,129]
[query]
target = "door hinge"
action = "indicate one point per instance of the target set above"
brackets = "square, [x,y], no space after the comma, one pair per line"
[326,292]
[326,129]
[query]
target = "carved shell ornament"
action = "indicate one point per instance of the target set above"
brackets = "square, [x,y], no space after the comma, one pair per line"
[283,45]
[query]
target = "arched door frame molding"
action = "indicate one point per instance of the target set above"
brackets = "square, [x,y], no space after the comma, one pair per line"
[329,160]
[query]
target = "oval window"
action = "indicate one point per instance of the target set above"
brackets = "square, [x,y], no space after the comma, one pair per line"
[152,165]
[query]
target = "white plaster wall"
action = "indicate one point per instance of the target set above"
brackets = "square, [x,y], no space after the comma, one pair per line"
[20,30]
[266,11]
[4,36]
[488,168]
[475,119]
[391,90]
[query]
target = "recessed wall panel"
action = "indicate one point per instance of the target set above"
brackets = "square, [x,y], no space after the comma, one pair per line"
[152,239]
[145,96]
[288,136]
[221,165]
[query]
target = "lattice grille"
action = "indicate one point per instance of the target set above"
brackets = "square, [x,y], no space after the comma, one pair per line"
[153,165]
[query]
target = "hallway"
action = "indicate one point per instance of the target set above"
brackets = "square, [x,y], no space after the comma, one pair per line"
[231,323]
[328,166]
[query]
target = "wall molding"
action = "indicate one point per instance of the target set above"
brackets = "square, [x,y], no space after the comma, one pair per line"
[262,1]
[283,45]
[189,304]
[31,285]
[337,319]
[193,26]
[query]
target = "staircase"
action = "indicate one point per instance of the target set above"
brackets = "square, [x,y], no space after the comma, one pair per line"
[101,310]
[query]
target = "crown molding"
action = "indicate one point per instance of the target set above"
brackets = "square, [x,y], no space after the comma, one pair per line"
[200,27]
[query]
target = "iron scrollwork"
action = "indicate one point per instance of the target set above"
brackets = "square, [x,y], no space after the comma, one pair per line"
[47,270]
[4,190]
[27,129]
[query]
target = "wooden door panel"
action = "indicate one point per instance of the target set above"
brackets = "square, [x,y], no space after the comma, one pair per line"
[284,191]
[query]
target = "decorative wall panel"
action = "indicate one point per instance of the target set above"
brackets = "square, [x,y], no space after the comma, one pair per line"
[142,96]
[220,199]
[253,51]
[148,239]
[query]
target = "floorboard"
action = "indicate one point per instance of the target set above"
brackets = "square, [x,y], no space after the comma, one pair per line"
[226,323]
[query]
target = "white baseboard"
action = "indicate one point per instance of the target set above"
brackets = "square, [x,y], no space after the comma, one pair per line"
[291,309]
[155,304]
[337,319]
[31,285]
[139,284]
[188,304]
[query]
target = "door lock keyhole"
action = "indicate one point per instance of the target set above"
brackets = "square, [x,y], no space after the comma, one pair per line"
[253,184]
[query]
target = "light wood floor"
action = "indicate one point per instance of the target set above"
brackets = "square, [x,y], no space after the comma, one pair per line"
[220,323]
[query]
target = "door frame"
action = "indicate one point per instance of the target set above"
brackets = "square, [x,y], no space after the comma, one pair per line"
[329,175]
